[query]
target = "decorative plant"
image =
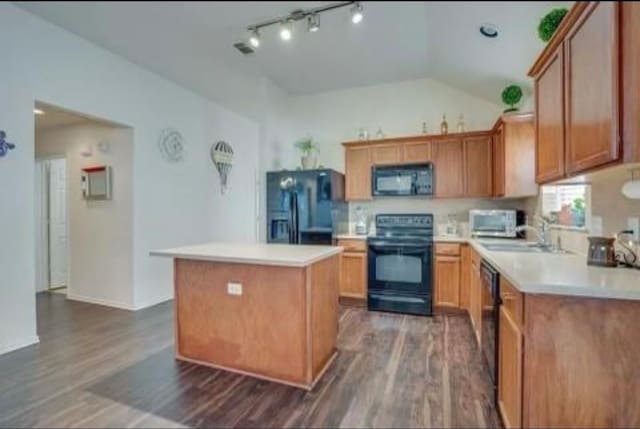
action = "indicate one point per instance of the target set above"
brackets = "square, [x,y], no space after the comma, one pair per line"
[511,96]
[550,22]
[306,146]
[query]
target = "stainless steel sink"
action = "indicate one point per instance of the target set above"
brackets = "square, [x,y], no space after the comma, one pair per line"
[521,247]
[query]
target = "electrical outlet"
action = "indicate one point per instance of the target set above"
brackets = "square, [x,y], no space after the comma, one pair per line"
[633,224]
[234,288]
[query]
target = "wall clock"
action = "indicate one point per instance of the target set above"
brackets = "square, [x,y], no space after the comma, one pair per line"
[171,145]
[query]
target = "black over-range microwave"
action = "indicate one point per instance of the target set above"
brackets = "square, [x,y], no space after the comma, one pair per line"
[402,180]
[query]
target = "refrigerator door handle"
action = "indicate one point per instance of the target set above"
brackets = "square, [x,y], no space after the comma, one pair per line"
[296,220]
[290,226]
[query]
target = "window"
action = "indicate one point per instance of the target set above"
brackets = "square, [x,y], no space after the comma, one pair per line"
[567,205]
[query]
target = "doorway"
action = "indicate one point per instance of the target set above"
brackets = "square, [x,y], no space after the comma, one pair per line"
[52,236]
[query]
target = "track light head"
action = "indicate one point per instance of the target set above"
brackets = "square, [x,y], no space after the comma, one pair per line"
[254,38]
[313,23]
[356,13]
[286,30]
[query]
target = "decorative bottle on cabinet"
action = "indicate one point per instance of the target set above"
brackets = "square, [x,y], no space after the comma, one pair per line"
[444,126]
[460,126]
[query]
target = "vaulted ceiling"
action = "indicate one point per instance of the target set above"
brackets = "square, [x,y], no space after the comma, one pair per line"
[191,43]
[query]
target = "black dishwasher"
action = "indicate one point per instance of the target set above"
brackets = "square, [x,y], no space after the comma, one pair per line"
[490,319]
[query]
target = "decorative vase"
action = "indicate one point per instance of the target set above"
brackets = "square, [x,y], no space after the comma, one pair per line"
[309,162]
[444,125]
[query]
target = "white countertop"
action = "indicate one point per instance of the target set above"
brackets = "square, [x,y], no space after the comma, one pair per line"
[253,253]
[562,274]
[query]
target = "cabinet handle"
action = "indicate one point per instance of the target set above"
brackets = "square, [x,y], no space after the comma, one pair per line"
[508,297]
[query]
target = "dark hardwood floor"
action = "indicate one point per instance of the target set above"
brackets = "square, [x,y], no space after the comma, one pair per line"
[102,367]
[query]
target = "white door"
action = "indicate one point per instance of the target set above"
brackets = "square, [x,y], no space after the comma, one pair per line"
[57,223]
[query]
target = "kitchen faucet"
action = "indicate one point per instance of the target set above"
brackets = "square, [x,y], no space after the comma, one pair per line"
[541,231]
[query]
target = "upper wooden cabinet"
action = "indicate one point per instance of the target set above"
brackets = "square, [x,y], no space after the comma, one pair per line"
[498,161]
[513,155]
[358,173]
[418,151]
[386,154]
[448,168]
[549,99]
[577,92]
[478,166]
[592,91]
[630,45]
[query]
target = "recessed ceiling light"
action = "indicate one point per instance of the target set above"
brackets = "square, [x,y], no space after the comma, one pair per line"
[356,13]
[313,23]
[254,38]
[38,112]
[489,30]
[285,30]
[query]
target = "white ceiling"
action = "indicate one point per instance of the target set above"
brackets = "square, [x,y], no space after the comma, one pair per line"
[191,42]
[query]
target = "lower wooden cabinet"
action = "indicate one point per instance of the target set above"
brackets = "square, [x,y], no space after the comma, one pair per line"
[447,281]
[475,295]
[465,276]
[353,269]
[510,370]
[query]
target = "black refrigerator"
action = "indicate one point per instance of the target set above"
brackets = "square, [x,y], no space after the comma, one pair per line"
[305,206]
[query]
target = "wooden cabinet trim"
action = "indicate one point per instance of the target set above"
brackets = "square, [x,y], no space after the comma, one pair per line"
[557,39]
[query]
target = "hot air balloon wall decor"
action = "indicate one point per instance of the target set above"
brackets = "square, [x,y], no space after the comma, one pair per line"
[222,158]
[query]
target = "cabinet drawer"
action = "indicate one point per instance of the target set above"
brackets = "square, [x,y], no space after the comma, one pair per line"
[448,249]
[353,245]
[512,300]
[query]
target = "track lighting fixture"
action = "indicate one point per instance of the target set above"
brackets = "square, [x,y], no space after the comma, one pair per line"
[254,38]
[285,30]
[356,13]
[312,16]
[313,22]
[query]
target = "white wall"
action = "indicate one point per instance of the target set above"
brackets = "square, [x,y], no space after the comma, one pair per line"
[397,108]
[100,233]
[174,204]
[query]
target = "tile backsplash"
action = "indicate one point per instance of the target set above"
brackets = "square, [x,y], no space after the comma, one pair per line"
[440,208]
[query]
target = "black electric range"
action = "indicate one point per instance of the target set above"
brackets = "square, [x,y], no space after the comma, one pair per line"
[399,261]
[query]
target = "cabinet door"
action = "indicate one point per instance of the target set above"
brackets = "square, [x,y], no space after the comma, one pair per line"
[475,296]
[498,162]
[465,276]
[358,173]
[386,154]
[447,290]
[449,168]
[417,152]
[478,162]
[592,92]
[353,275]
[510,371]
[549,99]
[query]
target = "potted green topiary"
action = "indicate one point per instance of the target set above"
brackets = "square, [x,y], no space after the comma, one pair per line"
[550,22]
[511,96]
[307,147]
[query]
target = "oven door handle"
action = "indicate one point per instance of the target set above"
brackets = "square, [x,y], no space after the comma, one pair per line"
[388,244]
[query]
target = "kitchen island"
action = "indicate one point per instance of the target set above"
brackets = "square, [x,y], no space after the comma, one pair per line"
[264,310]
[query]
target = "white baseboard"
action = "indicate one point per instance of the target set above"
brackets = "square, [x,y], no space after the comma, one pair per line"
[153,302]
[100,301]
[18,344]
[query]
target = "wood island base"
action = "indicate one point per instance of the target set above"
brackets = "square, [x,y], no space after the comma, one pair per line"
[282,328]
